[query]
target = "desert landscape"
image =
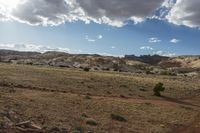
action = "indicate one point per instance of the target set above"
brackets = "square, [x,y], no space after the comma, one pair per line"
[58,93]
[99,66]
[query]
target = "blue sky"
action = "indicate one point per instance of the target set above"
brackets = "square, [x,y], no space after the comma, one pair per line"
[150,36]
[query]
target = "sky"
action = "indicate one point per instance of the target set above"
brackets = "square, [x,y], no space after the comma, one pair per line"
[106,27]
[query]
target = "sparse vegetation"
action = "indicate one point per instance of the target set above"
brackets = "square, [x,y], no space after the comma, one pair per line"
[142,89]
[118,117]
[168,73]
[91,122]
[61,97]
[122,96]
[149,72]
[79,129]
[88,97]
[86,69]
[84,115]
[158,88]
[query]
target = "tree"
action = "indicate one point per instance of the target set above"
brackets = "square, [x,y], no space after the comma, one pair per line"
[158,88]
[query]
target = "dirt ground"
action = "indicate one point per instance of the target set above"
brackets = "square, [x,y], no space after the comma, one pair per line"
[38,99]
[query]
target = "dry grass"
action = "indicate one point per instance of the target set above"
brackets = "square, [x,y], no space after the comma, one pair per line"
[56,98]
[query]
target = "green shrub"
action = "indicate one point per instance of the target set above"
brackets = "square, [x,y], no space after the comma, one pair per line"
[158,88]
[79,129]
[118,117]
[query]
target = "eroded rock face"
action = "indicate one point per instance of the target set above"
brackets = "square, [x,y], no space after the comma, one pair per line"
[59,59]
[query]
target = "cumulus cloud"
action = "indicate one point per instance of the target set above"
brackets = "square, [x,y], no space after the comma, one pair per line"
[146,48]
[43,12]
[185,12]
[3,18]
[32,47]
[163,11]
[3,14]
[111,12]
[174,40]
[55,12]
[154,40]
[118,11]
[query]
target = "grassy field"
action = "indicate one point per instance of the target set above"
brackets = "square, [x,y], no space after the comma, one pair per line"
[70,100]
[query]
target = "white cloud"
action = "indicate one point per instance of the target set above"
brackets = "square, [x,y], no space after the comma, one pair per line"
[32,47]
[110,12]
[108,54]
[100,37]
[113,47]
[89,39]
[137,20]
[185,12]
[174,40]
[146,48]
[154,40]
[164,53]
[168,3]
[55,12]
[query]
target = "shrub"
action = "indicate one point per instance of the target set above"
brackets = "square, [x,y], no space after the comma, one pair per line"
[79,129]
[158,88]
[84,115]
[86,69]
[87,97]
[118,117]
[168,73]
[142,89]
[149,72]
[122,96]
[91,122]
[56,129]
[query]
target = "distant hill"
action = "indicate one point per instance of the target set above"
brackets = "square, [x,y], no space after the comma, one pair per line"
[149,59]
[17,53]
[129,63]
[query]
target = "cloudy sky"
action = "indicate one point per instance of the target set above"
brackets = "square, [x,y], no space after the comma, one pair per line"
[108,27]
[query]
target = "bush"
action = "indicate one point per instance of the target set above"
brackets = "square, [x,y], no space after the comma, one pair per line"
[91,122]
[158,88]
[168,73]
[122,96]
[79,129]
[149,72]
[86,69]
[84,115]
[87,97]
[118,117]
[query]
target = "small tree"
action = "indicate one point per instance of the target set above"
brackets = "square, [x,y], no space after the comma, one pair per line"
[158,88]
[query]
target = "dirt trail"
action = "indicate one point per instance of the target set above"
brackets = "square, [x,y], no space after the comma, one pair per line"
[158,101]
